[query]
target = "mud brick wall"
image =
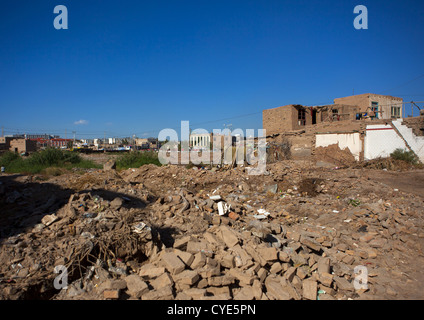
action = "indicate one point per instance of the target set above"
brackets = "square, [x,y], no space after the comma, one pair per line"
[416,124]
[283,119]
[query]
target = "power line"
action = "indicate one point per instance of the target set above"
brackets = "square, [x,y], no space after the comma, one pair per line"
[403,84]
[408,95]
[144,132]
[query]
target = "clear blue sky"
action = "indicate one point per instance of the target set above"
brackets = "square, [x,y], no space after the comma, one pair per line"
[136,67]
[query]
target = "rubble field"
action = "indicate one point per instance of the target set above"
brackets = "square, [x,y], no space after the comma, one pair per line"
[300,231]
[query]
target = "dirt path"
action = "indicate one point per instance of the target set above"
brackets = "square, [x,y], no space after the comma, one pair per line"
[412,182]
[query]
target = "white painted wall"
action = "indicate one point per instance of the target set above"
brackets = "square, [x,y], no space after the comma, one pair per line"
[416,143]
[352,141]
[381,141]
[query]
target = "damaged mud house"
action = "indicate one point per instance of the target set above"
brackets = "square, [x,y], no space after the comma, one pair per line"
[355,128]
[299,231]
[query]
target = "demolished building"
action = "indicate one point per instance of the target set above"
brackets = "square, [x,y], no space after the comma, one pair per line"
[365,128]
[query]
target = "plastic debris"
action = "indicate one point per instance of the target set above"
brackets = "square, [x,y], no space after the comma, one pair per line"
[140,227]
[223,208]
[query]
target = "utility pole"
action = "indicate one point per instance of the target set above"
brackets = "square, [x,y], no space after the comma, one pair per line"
[2,131]
[74,132]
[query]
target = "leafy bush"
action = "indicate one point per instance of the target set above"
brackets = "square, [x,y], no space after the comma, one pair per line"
[137,159]
[8,157]
[39,161]
[46,157]
[400,154]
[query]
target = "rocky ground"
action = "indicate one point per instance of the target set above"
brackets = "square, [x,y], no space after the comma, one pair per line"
[301,231]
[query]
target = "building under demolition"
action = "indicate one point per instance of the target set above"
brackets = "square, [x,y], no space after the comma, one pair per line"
[367,126]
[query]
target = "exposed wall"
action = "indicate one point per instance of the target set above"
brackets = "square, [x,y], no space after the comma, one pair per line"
[362,101]
[5,143]
[284,119]
[416,124]
[303,143]
[278,120]
[352,141]
[416,143]
[23,145]
[380,141]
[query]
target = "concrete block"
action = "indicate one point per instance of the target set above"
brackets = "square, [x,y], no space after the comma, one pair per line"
[150,271]
[228,236]
[187,277]
[310,288]
[274,288]
[268,254]
[185,257]
[162,281]
[172,263]
[164,293]
[111,294]
[199,260]
[136,286]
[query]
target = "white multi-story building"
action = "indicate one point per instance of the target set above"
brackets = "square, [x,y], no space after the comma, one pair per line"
[200,140]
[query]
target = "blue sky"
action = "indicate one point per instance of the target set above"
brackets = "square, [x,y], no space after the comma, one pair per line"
[136,67]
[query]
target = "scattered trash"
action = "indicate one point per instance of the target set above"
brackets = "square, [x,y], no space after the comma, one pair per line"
[118,271]
[89,215]
[272,189]
[140,227]
[320,292]
[179,239]
[262,214]
[87,235]
[223,208]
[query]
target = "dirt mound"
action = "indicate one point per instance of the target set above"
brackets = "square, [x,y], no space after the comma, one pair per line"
[296,232]
[334,154]
[389,164]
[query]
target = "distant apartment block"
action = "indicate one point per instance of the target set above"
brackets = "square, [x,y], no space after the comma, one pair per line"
[51,142]
[208,140]
[200,140]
